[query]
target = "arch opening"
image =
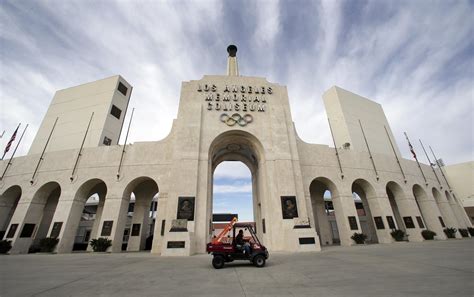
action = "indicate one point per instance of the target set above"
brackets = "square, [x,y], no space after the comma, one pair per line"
[395,193]
[8,203]
[361,190]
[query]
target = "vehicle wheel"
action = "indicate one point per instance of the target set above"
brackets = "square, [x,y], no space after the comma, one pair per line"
[218,262]
[259,261]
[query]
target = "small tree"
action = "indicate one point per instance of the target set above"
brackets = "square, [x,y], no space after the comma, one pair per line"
[101,244]
[5,246]
[428,234]
[48,244]
[398,235]
[359,238]
[450,232]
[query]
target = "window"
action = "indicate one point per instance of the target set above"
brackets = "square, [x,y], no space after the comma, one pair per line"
[107,141]
[116,112]
[122,89]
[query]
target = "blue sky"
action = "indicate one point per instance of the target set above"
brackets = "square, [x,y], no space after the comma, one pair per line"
[413,57]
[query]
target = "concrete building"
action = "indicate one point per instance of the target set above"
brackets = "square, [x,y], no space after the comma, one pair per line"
[461,179]
[221,118]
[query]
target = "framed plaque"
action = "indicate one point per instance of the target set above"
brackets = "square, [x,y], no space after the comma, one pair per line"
[420,222]
[353,223]
[289,207]
[136,230]
[391,222]
[107,228]
[27,230]
[409,222]
[175,245]
[442,222]
[379,223]
[56,229]
[186,208]
[12,230]
[307,240]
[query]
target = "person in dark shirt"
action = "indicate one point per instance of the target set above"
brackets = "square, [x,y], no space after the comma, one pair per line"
[240,243]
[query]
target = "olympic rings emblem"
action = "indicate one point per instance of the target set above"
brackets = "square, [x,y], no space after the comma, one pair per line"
[236,118]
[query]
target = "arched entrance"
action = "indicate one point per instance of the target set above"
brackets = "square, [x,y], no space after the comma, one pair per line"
[445,209]
[244,147]
[362,190]
[8,202]
[429,211]
[395,193]
[325,212]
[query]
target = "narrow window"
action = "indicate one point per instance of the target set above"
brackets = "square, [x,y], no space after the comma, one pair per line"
[122,89]
[107,141]
[116,112]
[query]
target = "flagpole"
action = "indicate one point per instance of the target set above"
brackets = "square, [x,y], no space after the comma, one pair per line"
[8,148]
[80,149]
[14,151]
[395,153]
[335,148]
[440,169]
[125,144]
[368,148]
[414,156]
[431,164]
[42,154]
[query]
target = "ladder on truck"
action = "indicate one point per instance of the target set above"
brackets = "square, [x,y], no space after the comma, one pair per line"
[223,233]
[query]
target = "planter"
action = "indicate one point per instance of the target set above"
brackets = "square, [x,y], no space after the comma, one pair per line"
[464,232]
[48,244]
[101,244]
[471,230]
[428,234]
[359,238]
[398,235]
[450,232]
[5,246]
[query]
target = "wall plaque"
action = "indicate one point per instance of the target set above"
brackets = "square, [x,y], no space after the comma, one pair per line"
[409,222]
[307,240]
[353,223]
[442,222]
[107,228]
[420,222]
[136,229]
[56,229]
[180,225]
[186,208]
[175,245]
[379,223]
[27,230]
[163,223]
[264,229]
[289,207]
[12,230]
[391,223]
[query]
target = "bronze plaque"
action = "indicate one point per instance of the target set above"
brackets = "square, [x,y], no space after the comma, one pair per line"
[391,222]
[353,223]
[12,231]
[27,230]
[409,222]
[420,222]
[175,245]
[107,228]
[186,208]
[379,223]
[136,229]
[289,207]
[442,222]
[56,229]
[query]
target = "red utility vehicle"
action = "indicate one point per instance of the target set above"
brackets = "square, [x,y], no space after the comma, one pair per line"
[224,248]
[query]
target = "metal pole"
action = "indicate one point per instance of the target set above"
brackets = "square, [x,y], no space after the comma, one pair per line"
[13,155]
[5,151]
[42,154]
[431,164]
[335,148]
[368,148]
[395,153]
[125,144]
[440,169]
[80,149]
[416,159]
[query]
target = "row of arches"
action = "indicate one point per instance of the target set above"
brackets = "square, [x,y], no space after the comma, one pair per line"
[376,214]
[77,218]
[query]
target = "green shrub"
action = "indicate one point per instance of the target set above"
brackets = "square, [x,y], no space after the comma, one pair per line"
[398,235]
[359,238]
[428,234]
[450,232]
[101,244]
[471,230]
[5,246]
[464,232]
[48,244]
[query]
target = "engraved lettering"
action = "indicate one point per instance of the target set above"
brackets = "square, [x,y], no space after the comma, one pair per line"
[261,107]
[199,88]
[209,97]
[226,97]
[209,106]
[270,90]
[236,106]
[226,89]
[214,88]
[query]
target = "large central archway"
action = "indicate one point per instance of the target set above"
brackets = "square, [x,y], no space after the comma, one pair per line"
[244,147]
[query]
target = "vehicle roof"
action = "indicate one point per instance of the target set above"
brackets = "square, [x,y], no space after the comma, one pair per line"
[244,224]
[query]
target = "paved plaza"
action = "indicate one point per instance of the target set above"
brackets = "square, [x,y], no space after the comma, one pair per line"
[440,268]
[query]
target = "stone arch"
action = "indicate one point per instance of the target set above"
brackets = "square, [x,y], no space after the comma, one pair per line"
[140,229]
[458,211]
[395,196]
[429,210]
[8,203]
[366,192]
[444,208]
[325,211]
